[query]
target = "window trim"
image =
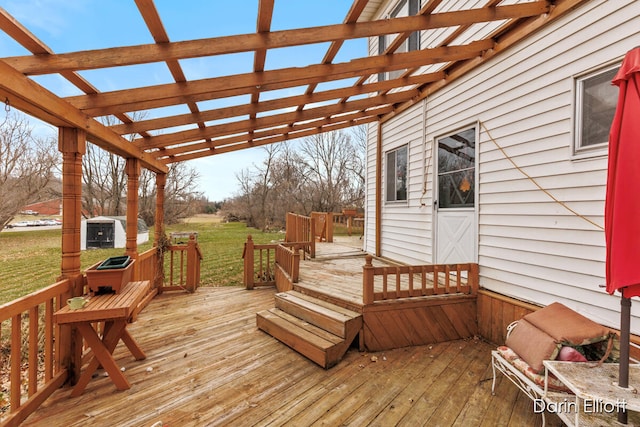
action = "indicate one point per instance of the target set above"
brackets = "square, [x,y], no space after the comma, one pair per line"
[436,176]
[578,151]
[387,170]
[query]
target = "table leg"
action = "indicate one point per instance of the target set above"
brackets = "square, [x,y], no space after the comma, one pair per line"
[132,345]
[102,350]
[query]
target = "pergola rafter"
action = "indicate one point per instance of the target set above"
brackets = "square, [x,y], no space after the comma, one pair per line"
[357,97]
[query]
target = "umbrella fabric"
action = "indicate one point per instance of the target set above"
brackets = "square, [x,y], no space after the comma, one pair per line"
[622,205]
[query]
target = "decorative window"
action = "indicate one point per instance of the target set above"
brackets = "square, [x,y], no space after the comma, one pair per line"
[396,175]
[596,99]
[403,8]
[457,170]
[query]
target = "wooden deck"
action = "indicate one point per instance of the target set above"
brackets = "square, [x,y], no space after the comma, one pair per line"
[208,364]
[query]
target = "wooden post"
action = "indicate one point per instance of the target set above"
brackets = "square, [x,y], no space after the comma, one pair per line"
[378,201]
[295,268]
[474,278]
[192,264]
[329,225]
[248,263]
[133,177]
[312,236]
[367,281]
[72,145]
[289,228]
[161,181]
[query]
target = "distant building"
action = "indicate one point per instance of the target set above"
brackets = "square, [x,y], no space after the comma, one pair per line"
[48,207]
[109,232]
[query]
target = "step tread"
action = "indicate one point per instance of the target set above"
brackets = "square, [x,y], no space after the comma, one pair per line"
[316,336]
[326,308]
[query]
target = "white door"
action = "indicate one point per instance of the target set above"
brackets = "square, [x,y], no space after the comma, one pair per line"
[455,206]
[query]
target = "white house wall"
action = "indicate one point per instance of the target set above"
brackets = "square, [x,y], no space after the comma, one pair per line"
[530,246]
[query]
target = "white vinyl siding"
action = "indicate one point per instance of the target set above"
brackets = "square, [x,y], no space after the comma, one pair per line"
[530,247]
[406,229]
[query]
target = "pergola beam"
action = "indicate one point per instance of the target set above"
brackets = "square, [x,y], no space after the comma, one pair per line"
[289,77]
[37,101]
[318,124]
[149,53]
[275,120]
[275,104]
[271,140]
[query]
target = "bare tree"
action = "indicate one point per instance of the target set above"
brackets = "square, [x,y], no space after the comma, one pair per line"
[105,182]
[325,172]
[27,165]
[180,196]
[104,179]
[330,160]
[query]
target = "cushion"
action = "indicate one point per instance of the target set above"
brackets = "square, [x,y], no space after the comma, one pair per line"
[566,326]
[570,354]
[532,345]
[553,383]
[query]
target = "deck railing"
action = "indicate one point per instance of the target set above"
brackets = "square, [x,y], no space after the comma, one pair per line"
[37,348]
[301,229]
[271,264]
[408,281]
[259,264]
[145,267]
[184,266]
[323,227]
[287,268]
[351,223]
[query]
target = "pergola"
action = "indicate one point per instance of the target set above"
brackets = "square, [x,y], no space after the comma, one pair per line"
[455,48]
[458,40]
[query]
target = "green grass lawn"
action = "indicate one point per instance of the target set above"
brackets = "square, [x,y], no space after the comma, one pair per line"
[30,260]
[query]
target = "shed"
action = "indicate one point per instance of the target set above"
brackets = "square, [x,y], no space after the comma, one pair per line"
[109,232]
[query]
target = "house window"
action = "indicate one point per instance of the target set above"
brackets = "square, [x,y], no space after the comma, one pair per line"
[457,170]
[396,175]
[596,99]
[403,8]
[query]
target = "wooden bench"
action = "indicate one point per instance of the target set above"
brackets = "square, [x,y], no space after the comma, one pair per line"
[114,310]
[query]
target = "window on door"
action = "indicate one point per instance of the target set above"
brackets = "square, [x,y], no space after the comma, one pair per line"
[457,170]
[396,175]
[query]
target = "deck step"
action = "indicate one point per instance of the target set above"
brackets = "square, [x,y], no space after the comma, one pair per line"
[325,315]
[319,330]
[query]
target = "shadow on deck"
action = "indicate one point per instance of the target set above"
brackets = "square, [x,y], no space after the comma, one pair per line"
[208,364]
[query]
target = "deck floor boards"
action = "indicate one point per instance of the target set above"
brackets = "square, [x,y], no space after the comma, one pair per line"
[208,364]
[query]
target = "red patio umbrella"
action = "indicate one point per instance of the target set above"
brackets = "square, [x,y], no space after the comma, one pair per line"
[622,206]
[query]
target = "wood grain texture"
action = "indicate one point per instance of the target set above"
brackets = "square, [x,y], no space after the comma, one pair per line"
[208,364]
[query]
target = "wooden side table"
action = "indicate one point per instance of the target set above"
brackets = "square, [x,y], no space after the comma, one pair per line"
[115,310]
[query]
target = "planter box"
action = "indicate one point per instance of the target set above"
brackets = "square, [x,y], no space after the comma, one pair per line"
[110,275]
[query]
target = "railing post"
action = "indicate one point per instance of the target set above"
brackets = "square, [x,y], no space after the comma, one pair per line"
[295,268]
[367,281]
[192,264]
[312,237]
[474,278]
[329,224]
[248,261]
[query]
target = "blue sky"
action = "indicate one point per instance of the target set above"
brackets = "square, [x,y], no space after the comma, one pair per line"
[75,25]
